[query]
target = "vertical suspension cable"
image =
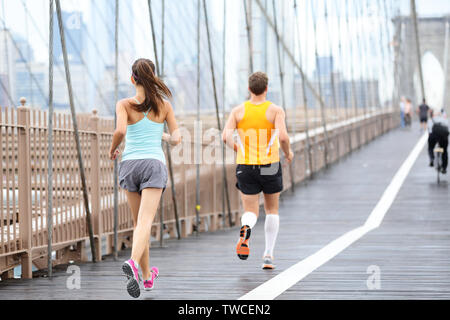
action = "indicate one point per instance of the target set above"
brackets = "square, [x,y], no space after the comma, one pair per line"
[343,63]
[331,58]
[169,154]
[163,36]
[332,79]
[159,69]
[368,55]
[370,77]
[29,56]
[305,98]
[283,94]
[116,98]
[395,73]
[152,26]
[418,52]
[362,57]
[248,22]
[198,139]
[219,126]
[377,70]
[445,59]
[76,132]
[382,44]
[319,83]
[351,59]
[8,88]
[50,146]
[363,84]
[224,82]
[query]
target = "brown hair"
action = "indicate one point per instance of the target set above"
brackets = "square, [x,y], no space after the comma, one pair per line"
[258,82]
[143,71]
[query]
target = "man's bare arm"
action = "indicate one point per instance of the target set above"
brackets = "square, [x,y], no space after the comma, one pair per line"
[227,135]
[280,126]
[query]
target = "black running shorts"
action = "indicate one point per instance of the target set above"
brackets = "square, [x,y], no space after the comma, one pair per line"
[252,179]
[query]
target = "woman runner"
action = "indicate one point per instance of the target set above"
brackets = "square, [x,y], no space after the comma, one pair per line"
[142,170]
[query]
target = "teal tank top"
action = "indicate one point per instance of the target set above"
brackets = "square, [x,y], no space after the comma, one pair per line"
[144,140]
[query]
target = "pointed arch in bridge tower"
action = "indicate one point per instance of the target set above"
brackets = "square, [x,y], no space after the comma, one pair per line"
[433,74]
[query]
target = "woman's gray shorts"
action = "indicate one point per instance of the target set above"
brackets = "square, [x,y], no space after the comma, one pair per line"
[137,175]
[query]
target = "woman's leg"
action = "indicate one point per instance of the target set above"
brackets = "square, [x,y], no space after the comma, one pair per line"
[134,202]
[149,204]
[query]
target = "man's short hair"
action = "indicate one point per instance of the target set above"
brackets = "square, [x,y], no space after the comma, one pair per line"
[258,82]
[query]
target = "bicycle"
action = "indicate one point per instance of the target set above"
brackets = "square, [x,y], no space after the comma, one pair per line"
[438,152]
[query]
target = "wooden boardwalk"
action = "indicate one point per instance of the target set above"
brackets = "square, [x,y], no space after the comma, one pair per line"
[411,247]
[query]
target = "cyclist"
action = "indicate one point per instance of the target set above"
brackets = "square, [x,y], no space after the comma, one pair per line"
[438,133]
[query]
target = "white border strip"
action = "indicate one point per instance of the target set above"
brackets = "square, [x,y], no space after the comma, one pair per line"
[283,281]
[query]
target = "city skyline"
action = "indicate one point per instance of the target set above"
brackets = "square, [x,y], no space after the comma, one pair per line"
[90,37]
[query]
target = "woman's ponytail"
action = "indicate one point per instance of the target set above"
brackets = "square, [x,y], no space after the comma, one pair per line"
[143,72]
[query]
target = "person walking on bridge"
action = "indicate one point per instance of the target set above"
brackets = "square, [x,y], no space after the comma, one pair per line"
[142,170]
[408,113]
[423,111]
[261,129]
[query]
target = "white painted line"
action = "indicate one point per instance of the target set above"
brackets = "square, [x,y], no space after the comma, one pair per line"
[283,281]
[378,213]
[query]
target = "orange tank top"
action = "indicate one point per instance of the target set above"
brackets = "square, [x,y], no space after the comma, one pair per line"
[258,139]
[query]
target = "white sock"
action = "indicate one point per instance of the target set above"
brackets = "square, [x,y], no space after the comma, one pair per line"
[249,219]
[271,228]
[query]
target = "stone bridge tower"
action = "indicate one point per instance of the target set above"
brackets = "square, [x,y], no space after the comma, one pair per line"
[434,37]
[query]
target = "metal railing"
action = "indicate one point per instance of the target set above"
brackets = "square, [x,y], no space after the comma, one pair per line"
[23,213]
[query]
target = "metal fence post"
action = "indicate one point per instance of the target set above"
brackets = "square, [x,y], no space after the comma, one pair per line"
[24,176]
[95,183]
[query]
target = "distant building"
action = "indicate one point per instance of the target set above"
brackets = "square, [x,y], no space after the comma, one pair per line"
[8,57]
[76,53]
[75,41]
[366,92]
[26,86]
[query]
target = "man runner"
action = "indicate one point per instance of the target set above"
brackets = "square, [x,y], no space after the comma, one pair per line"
[261,130]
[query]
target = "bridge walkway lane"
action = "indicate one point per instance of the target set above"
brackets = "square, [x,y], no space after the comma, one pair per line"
[410,247]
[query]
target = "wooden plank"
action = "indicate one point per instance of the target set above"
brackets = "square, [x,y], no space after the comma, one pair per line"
[411,246]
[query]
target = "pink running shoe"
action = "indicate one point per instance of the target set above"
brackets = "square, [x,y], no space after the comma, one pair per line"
[149,284]
[131,270]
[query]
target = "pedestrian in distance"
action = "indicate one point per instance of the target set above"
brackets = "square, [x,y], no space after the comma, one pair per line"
[423,111]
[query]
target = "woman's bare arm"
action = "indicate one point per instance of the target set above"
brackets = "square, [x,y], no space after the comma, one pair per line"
[121,130]
[174,138]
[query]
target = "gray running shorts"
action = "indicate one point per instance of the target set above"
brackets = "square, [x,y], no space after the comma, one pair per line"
[137,175]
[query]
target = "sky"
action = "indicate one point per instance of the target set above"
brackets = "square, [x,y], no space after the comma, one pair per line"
[14,14]
[15,17]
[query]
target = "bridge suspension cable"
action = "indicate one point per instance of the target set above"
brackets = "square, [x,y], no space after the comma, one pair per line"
[160,70]
[417,49]
[318,71]
[308,158]
[219,126]
[116,98]
[282,88]
[76,133]
[342,62]
[50,144]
